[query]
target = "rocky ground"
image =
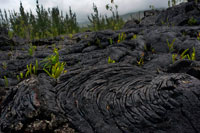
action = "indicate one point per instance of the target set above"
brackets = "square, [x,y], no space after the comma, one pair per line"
[143,91]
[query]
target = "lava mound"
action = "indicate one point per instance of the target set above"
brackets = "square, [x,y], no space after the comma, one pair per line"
[145,82]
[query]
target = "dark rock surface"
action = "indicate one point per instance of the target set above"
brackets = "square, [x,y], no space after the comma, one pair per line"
[173,16]
[95,96]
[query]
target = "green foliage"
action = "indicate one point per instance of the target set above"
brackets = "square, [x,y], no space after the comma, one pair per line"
[35,67]
[56,70]
[121,37]
[31,70]
[171,45]
[20,76]
[31,49]
[192,21]
[134,37]
[198,36]
[70,36]
[101,22]
[110,60]
[6,81]
[184,55]
[53,22]
[51,60]
[4,65]
[46,23]
[110,41]
[141,60]
[193,55]
[174,57]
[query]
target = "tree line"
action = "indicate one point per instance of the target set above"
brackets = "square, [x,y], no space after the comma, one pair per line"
[53,22]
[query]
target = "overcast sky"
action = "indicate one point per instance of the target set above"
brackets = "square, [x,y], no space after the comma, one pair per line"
[84,7]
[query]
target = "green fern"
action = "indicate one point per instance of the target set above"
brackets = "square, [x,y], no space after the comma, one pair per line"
[56,70]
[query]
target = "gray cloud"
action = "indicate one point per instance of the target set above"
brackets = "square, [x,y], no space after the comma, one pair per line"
[84,7]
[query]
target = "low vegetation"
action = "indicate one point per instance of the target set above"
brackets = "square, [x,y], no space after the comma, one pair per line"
[184,55]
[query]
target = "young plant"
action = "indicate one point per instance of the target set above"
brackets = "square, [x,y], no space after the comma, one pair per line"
[98,42]
[198,36]
[171,45]
[20,76]
[29,70]
[174,58]
[35,67]
[134,37]
[141,61]
[56,70]
[110,60]
[121,37]
[6,81]
[31,50]
[32,69]
[110,41]
[183,54]
[4,65]
[51,60]
[193,55]
[70,36]
[192,21]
